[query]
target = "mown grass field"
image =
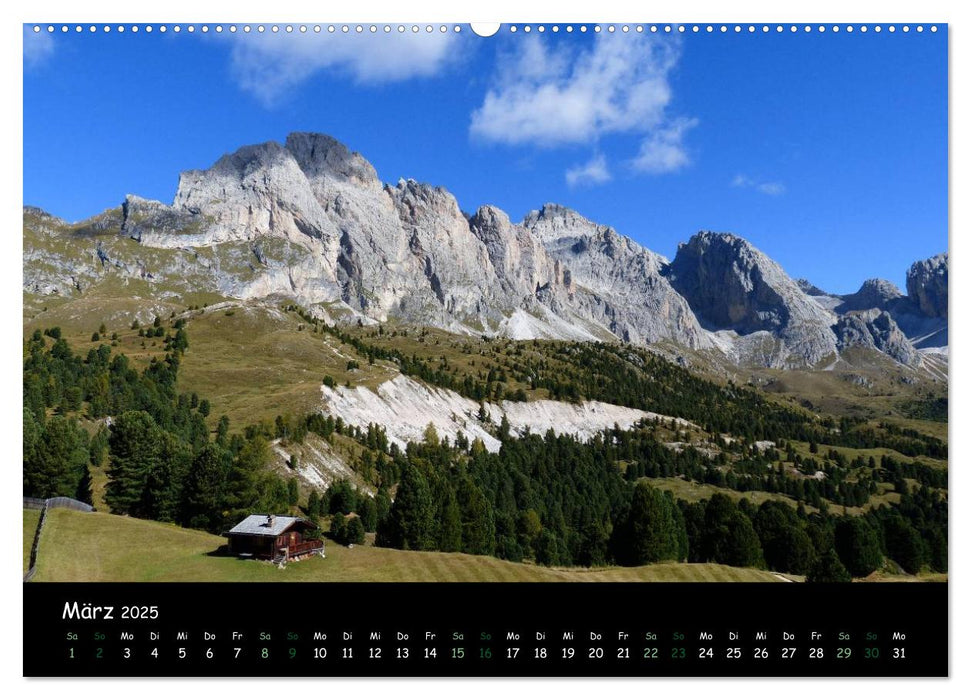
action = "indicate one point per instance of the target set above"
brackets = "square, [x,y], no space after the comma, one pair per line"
[31,519]
[101,547]
[923,577]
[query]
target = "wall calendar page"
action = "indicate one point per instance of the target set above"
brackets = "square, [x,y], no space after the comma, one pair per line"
[462,350]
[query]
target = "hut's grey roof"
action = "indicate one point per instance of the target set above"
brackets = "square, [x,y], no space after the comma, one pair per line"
[259,525]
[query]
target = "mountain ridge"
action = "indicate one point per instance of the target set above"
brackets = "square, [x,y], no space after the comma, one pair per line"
[310,220]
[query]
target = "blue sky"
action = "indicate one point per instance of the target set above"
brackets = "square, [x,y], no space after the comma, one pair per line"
[827,151]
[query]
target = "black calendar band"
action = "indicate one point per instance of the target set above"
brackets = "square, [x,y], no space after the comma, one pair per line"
[615,629]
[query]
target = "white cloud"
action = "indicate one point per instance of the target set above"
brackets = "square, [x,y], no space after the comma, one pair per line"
[773,189]
[553,96]
[593,172]
[663,151]
[268,65]
[547,94]
[38,46]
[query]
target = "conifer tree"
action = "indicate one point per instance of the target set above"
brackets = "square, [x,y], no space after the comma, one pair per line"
[828,569]
[338,528]
[785,544]
[449,518]
[411,522]
[728,535]
[904,544]
[858,545]
[478,528]
[354,531]
[165,482]
[134,445]
[651,530]
[243,482]
[367,510]
[313,506]
[205,488]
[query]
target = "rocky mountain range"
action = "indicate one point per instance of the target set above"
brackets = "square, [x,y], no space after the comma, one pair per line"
[310,220]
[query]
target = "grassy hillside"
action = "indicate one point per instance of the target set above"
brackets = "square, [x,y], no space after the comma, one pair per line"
[101,547]
[693,492]
[255,360]
[31,519]
[254,363]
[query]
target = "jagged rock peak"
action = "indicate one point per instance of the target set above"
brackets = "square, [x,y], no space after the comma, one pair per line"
[490,223]
[520,259]
[320,154]
[731,284]
[884,288]
[41,217]
[560,228]
[705,240]
[246,159]
[36,211]
[552,211]
[315,155]
[809,288]
[552,221]
[875,329]
[734,256]
[134,201]
[873,294]
[927,285]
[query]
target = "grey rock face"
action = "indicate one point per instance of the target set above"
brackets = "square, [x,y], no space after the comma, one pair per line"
[921,314]
[809,288]
[618,283]
[459,283]
[310,220]
[732,285]
[323,158]
[873,294]
[522,264]
[927,285]
[876,329]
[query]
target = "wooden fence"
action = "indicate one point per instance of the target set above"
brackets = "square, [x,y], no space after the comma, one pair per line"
[44,505]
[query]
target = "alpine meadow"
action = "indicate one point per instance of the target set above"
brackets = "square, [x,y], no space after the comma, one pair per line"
[447,395]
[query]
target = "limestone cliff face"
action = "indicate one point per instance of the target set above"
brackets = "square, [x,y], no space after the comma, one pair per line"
[927,285]
[873,294]
[732,285]
[618,283]
[522,264]
[309,220]
[876,330]
[921,314]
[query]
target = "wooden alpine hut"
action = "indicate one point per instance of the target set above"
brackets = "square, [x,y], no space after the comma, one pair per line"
[279,538]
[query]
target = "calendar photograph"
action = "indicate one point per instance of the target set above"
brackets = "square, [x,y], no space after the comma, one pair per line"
[522,304]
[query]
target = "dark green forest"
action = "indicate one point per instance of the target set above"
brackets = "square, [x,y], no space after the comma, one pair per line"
[544,498]
[163,461]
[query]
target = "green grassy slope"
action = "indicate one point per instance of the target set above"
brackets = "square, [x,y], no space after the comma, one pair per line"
[31,520]
[101,547]
[254,363]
